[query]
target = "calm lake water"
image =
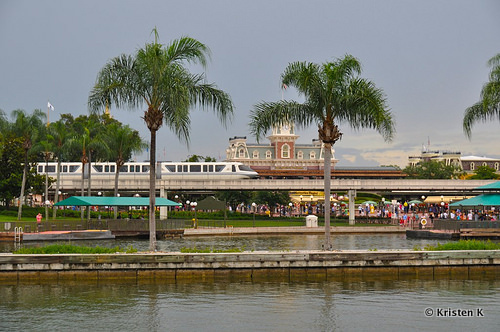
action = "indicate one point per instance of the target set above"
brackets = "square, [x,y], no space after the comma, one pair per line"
[248,306]
[279,242]
[327,306]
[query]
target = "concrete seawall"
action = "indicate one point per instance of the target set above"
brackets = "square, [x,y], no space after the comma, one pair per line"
[252,266]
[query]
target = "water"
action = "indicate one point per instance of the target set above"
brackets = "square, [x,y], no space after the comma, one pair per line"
[252,306]
[266,242]
[326,306]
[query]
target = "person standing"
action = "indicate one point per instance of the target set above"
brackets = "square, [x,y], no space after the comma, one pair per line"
[38,221]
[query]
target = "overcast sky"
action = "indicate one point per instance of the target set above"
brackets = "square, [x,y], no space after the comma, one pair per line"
[428,56]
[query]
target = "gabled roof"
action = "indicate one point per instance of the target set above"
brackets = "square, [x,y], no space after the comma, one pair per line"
[113,201]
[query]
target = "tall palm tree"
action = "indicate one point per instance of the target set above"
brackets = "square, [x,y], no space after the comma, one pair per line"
[60,134]
[89,140]
[45,147]
[156,77]
[334,94]
[488,108]
[27,127]
[122,142]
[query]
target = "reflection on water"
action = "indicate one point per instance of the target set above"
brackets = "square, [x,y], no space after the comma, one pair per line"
[324,306]
[265,242]
[250,306]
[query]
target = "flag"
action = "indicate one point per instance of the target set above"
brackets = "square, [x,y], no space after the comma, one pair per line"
[49,105]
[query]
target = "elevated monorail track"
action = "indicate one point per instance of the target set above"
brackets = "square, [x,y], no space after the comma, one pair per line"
[425,187]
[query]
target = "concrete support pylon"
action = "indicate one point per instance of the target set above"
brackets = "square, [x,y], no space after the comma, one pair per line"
[163,209]
[351,194]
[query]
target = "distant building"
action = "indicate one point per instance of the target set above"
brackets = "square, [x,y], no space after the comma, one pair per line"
[467,163]
[281,152]
[282,157]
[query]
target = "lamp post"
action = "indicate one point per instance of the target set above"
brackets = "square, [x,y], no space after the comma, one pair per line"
[195,221]
[253,209]
[301,205]
[99,207]
[290,205]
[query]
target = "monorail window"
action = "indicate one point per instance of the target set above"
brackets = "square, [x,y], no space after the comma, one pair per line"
[98,168]
[145,169]
[124,169]
[196,168]
[40,169]
[64,169]
[137,168]
[208,168]
[51,169]
[106,169]
[245,168]
[233,168]
[171,168]
[73,168]
[219,168]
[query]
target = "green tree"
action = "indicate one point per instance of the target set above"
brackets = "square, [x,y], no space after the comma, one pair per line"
[334,94]
[488,107]
[27,127]
[272,198]
[121,142]
[233,198]
[156,76]
[196,159]
[484,173]
[11,168]
[432,170]
[60,134]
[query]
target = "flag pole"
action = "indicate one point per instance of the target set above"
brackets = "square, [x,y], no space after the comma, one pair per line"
[48,109]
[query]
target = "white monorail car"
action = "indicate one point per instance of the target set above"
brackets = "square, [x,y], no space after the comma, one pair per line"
[164,170]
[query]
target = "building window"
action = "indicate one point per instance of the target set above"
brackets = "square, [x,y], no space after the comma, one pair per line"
[268,154]
[285,151]
[241,153]
[497,166]
[300,155]
[256,155]
[312,155]
[472,166]
[485,164]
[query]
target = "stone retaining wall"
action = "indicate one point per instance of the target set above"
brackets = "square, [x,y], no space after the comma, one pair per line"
[253,266]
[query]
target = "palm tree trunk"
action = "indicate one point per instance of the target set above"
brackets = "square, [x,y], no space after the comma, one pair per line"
[328,182]
[56,195]
[83,188]
[117,173]
[23,186]
[152,191]
[89,191]
[46,188]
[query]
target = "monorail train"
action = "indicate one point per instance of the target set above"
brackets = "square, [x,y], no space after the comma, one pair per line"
[164,170]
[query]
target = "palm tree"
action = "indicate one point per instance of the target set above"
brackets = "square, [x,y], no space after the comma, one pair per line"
[45,147]
[122,141]
[60,134]
[488,108]
[88,139]
[156,77]
[334,94]
[26,127]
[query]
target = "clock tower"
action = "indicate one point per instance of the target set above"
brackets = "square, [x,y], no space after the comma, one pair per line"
[283,140]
